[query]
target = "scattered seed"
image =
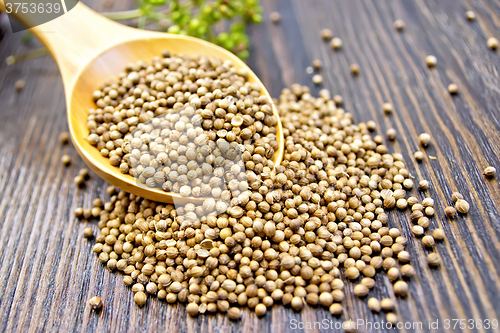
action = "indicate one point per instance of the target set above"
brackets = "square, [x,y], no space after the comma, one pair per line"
[84,172]
[424,139]
[88,233]
[387,304]
[192,309]
[453,88]
[336,309]
[401,288]
[19,85]
[471,16]
[431,61]
[326,34]
[361,290]
[391,318]
[275,17]
[493,43]
[490,172]
[407,270]
[391,134]
[438,234]
[450,212]
[66,160]
[433,259]
[428,241]
[309,70]
[317,79]
[399,25]
[95,303]
[260,309]
[423,185]
[338,100]
[336,43]
[79,181]
[387,107]
[354,69]
[462,206]
[316,63]
[455,196]
[64,138]
[374,304]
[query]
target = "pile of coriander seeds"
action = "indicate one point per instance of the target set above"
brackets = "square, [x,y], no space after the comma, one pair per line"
[289,238]
[189,125]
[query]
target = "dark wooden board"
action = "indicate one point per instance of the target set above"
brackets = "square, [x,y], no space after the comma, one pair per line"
[47,270]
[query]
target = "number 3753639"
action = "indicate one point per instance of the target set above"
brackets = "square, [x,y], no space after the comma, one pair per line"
[24,7]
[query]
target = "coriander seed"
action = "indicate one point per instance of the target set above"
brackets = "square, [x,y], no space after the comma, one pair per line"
[423,185]
[316,63]
[354,69]
[433,259]
[455,196]
[490,172]
[66,160]
[424,139]
[438,234]
[79,181]
[78,212]
[192,309]
[95,303]
[453,88]
[387,304]
[399,25]
[391,134]
[336,43]
[374,304]
[275,17]
[450,212]
[428,241]
[462,206]
[391,318]
[234,313]
[431,61]
[361,290]
[336,309]
[418,155]
[326,34]
[387,107]
[317,79]
[140,298]
[64,138]
[88,233]
[338,100]
[260,310]
[407,270]
[401,288]
[471,16]
[493,43]
[19,85]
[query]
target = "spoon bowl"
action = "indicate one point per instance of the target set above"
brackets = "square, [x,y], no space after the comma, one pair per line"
[90,50]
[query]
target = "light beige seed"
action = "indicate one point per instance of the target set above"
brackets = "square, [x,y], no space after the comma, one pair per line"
[66,160]
[275,17]
[234,313]
[399,25]
[431,61]
[418,155]
[391,134]
[361,290]
[336,43]
[317,79]
[453,88]
[407,270]
[64,138]
[354,69]
[95,303]
[428,241]
[493,43]
[140,298]
[387,107]
[423,185]
[401,288]
[326,34]
[192,309]
[471,16]
[433,259]
[450,212]
[387,304]
[392,318]
[490,172]
[260,310]
[438,234]
[424,139]
[88,233]
[374,304]
[462,206]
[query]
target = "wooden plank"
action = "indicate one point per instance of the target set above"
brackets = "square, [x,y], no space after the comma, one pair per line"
[47,268]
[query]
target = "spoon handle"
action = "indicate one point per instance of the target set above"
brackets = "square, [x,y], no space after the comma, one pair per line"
[74,38]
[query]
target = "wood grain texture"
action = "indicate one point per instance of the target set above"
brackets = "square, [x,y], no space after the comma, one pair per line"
[48,272]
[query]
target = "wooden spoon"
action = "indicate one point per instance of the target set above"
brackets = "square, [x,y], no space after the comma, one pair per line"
[89,50]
